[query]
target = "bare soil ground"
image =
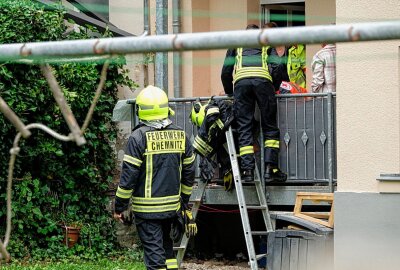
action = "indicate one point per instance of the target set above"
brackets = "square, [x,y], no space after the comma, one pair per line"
[214,265]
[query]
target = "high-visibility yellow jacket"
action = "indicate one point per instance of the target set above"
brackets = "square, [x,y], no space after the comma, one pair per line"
[296,65]
[244,63]
[157,172]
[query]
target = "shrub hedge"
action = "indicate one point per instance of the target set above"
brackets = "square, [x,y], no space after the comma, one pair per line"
[56,182]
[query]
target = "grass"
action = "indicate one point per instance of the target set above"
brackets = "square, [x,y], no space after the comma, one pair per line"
[78,265]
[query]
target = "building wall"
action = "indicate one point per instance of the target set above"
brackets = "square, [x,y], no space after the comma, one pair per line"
[368,111]
[318,12]
[202,70]
[128,15]
[368,100]
[368,143]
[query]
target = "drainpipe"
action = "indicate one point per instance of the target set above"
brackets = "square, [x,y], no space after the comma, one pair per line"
[161,60]
[177,55]
[146,31]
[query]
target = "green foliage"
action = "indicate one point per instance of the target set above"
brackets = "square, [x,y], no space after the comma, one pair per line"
[104,264]
[56,182]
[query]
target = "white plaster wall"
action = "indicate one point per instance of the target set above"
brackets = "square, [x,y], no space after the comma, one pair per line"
[201,70]
[187,56]
[128,15]
[225,16]
[318,12]
[368,100]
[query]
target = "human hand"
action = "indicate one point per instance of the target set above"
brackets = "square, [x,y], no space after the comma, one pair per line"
[118,217]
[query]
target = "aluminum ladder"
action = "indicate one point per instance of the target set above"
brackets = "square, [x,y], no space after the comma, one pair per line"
[195,202]
[248,233]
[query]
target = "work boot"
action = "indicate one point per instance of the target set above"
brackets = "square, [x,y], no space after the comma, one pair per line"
[247,176]
[274,174]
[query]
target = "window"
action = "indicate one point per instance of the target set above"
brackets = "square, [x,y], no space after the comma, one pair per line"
[288,14]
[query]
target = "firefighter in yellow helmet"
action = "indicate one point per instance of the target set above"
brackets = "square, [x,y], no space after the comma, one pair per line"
[157,177]
[210,142]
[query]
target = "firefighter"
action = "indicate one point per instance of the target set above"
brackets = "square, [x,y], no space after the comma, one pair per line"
[210,142]
[245,75]
[296,65]
[157,177]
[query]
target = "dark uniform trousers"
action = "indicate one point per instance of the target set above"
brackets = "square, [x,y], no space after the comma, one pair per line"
[246,92]
[157,243]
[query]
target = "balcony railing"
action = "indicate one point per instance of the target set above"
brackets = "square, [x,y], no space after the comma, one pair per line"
[307,135]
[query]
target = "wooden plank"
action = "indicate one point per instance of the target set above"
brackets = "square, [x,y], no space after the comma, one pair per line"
[325,219]
[297,205]
[317,215]
[316,220]
[316,198]
[295,227]
[331,219]
[330,195]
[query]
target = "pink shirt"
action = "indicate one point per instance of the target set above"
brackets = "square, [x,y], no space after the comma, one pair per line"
[324,70]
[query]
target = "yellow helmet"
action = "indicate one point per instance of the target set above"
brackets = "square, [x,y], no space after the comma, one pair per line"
[198,113]
[152,104]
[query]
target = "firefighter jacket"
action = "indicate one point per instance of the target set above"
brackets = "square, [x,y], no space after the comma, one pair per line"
[157,172]
[211,138]
[296,65]
[278,67]
[244,63]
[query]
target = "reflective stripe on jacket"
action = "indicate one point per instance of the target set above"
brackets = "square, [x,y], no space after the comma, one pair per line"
[210,136]
[157,172]
[251,63]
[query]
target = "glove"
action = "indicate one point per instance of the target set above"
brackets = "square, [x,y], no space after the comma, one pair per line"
[128,218]
[190,224]
[206,169]
[228,180]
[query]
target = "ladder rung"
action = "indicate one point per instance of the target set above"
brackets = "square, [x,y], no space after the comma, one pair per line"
[257,207]
[260,256]
[248,183]
[180,247]
[259,232]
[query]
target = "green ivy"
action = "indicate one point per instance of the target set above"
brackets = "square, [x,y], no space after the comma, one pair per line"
[56,182]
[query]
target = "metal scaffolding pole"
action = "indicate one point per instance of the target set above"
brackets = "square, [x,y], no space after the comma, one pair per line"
[203,41]
[161,60]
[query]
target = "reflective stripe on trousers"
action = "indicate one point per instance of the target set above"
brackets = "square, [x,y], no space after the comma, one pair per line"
[246,93]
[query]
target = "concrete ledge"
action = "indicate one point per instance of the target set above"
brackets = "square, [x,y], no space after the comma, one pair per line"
[389,177]
[389,183]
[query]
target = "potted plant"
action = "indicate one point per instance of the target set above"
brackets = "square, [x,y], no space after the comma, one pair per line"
[70,225]
[71,232]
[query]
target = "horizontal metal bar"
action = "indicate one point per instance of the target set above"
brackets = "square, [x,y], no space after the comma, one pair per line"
[389,177]
[259,233]
[186,99]
[256,207]
[304,95]
[203,41]
[191,99]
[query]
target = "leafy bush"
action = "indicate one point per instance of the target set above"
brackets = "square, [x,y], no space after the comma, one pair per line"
[56,182]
